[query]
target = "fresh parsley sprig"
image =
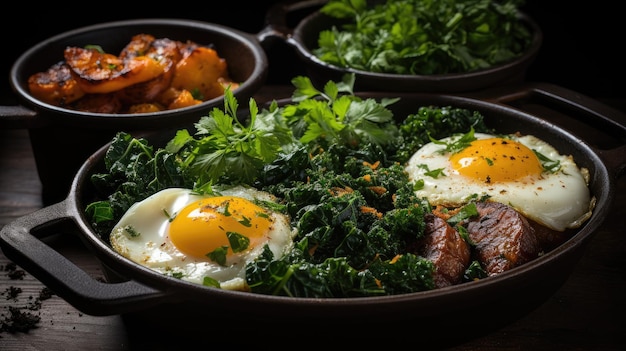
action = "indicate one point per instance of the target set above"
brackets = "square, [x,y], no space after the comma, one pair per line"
[337,116]
[224,148]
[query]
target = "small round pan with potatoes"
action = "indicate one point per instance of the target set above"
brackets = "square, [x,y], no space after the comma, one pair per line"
[62,137]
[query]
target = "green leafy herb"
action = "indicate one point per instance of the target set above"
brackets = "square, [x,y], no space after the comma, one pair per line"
[548,164]
[131,231]
[218,255]
[322,118]
[224,209]
[227,147]
[418,184]
[97,48]
[457,144]
[474,272]
[197,94]
[466,212]
[210,282]
[434,173]
[177,275]
[422,37]
[238,242]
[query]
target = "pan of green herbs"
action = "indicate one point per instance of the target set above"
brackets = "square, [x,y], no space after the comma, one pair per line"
[443,46]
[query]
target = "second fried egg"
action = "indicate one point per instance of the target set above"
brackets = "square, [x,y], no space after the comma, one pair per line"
[205,239]
[523,172]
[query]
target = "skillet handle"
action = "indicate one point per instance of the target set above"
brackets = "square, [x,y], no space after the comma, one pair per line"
[67,280]
[577,112]
[17,117]
[276,20]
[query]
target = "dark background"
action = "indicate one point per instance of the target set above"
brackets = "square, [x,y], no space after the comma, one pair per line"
[581,48]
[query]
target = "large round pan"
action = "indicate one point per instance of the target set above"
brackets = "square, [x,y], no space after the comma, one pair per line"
[570,122]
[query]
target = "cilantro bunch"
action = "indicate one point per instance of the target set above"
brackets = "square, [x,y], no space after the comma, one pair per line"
[416,37]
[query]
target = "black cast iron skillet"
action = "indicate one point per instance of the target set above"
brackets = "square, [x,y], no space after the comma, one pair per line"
[299,25]
[53,130]
[593,133]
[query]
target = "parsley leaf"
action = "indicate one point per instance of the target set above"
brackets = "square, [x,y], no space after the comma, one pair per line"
[337,116]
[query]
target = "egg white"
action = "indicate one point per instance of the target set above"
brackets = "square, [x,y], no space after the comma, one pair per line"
[557,200]
[152,247]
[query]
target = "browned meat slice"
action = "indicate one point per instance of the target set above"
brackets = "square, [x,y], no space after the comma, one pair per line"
[548,238]
[504,238]
[443,245]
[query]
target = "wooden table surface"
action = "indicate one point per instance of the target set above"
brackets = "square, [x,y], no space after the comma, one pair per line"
[587,313]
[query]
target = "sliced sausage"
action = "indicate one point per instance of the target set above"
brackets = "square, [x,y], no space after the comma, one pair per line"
[443,245]
[548,238]
[503,237]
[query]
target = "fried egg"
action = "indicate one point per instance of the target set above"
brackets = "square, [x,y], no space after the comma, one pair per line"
[205,239]
[523,172]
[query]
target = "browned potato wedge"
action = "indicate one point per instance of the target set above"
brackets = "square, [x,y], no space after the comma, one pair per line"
[98,72]
[164,51]
[99,103]
[148,75]
[56,86]
[198,72]
[183,99]
[145,108]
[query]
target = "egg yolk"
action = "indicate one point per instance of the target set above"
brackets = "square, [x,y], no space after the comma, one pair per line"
[496,160]
[219,222]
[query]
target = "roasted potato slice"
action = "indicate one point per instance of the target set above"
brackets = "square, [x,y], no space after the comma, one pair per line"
[166,52]
[199,72]
[98,72]
[176,98]
[99,103]
[145,108]
[56,86]
[149,74]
